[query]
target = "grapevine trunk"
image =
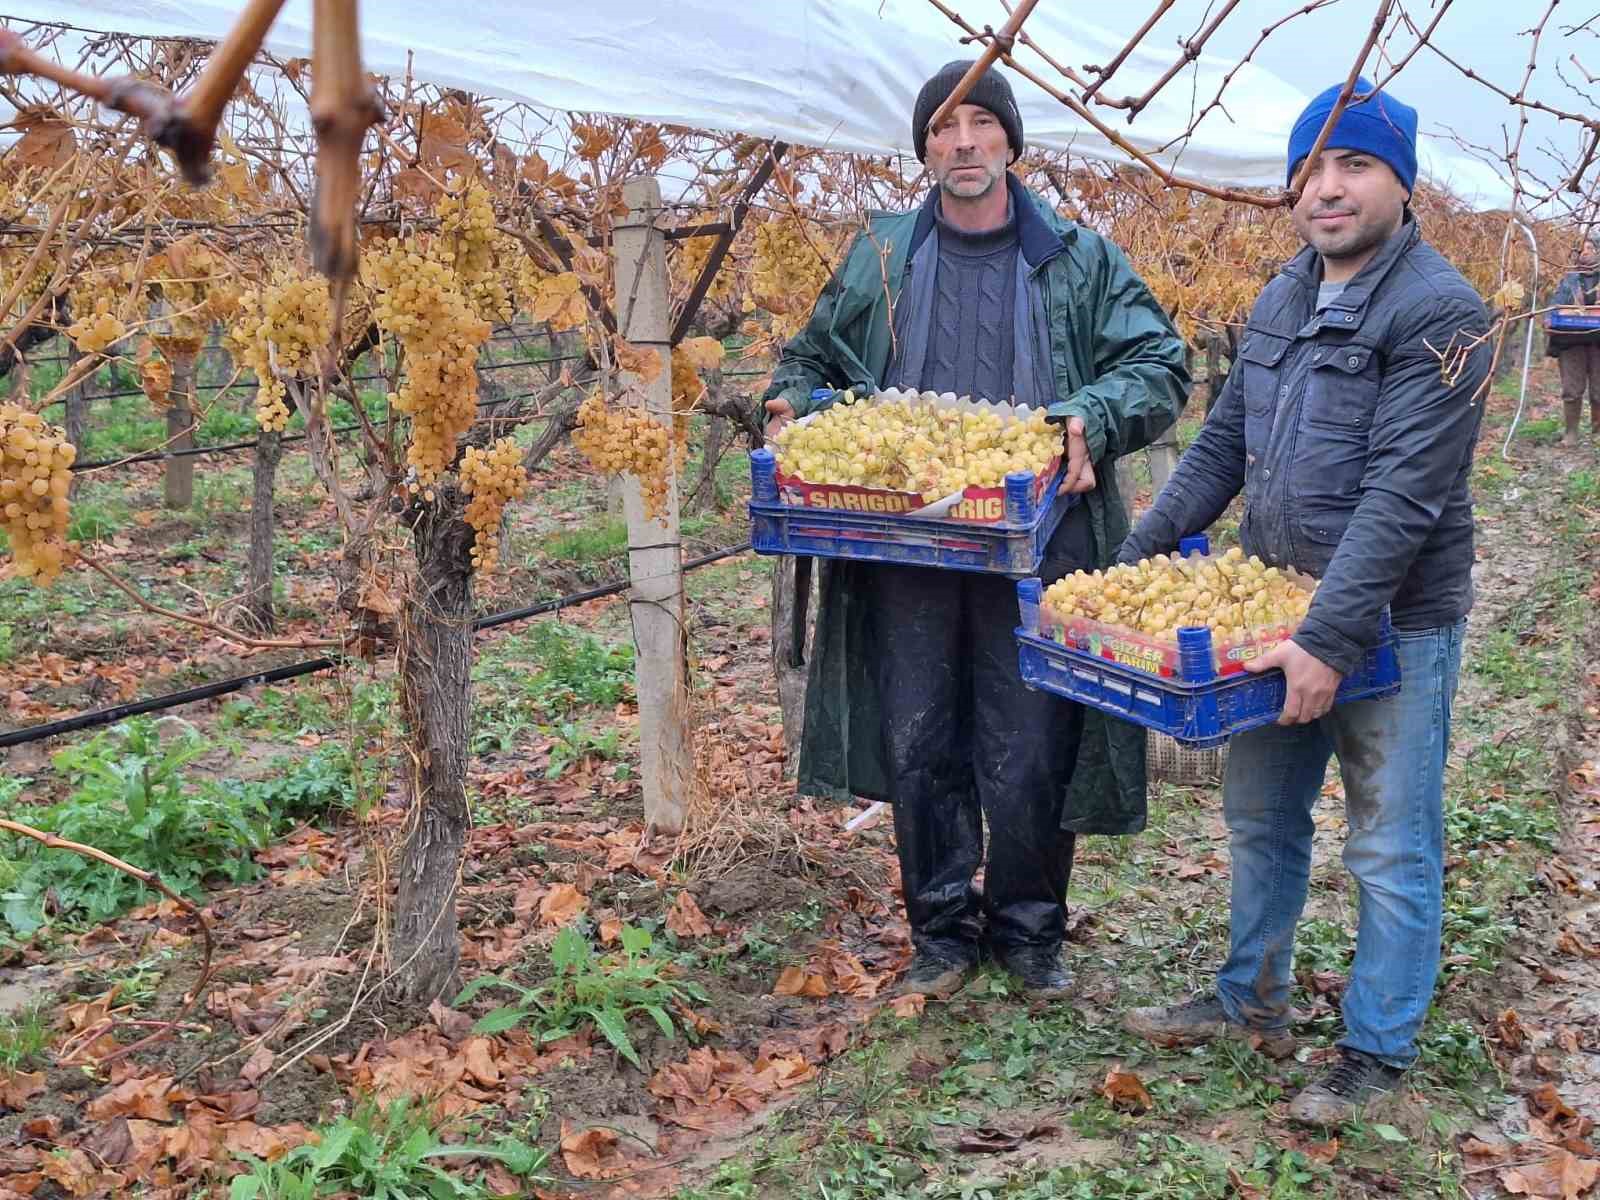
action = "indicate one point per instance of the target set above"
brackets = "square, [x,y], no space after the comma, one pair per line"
[436,699]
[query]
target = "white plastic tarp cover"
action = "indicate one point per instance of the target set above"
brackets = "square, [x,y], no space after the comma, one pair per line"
[841,74]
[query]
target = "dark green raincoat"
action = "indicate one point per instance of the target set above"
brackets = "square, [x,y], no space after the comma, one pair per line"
[1118,364]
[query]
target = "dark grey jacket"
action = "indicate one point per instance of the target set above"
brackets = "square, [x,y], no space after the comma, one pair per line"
[1351,433]
[1576,287]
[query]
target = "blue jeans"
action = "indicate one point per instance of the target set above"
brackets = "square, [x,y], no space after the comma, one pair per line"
[1391,757]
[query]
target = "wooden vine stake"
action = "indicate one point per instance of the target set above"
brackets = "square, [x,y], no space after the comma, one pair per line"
[655,563]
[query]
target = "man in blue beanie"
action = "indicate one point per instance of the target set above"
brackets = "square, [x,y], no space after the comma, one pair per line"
[1348,421]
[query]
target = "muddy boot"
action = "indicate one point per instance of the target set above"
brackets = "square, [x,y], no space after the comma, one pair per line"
[1038,969]
[1199,1020]
[1347,1091]
[936,974]
[1573,411]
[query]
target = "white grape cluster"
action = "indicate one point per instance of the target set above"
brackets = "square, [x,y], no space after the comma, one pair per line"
[492,477]
[35,476]
[916,446]
[418,299]
[96,329]
[623,440]
[1235,596]
[280,329]
[467,242]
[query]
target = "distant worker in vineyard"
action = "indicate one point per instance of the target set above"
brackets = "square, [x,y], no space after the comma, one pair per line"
[1579,353]
[914,693]
[1348,421]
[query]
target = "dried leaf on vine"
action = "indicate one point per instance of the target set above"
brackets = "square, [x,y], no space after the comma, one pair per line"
[641,361]
[559,301]
[703,353]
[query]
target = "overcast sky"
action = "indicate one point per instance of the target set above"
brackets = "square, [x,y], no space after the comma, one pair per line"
[1315,50]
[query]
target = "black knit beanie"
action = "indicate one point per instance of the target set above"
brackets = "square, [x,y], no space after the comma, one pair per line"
[992,91]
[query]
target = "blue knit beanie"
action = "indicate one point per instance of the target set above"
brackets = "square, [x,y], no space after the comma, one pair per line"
[1381,126]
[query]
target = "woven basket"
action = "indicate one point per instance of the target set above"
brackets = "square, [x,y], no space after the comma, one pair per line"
[1184,764]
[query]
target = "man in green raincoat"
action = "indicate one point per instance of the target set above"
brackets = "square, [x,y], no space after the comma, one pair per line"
[914,695]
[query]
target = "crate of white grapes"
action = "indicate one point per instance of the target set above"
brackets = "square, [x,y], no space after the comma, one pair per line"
[1144,654]
[917,479]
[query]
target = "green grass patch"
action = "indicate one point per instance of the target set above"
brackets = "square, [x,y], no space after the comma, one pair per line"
[97,517]
[397,1151]
[24,1035]
[588,543]
[130,798]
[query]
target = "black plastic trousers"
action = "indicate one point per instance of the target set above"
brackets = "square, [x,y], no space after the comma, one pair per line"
[965,740]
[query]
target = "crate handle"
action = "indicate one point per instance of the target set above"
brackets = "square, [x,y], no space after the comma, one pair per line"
[1030,594]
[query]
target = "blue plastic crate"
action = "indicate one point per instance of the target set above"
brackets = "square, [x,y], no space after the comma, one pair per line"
[1014,546]
[1197,710]
[1573,322]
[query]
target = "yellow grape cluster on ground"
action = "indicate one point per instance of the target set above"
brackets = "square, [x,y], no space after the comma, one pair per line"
[35,475]
[1230,593]
[620,440]
[916,446]
[492,477]
[280,329]
[417,299]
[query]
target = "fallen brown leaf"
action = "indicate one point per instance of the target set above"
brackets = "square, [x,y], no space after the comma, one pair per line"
[1124,1090]
[849,975]
[909,1005]
[1569,942]
[149,1097]
[1323,1152]
[987,1140]
[703,1026]
[1546,1103]
[923,1070]
[1475,1148]
[73,1171]
[111,1144]
[793,981]
[264,1141]
[478,1055]
[685,920]
[561,904]
[1562,1176]
[257,1065]
[1512,1034]
[454,1025]
[592,1153]
[19,1087]
[44,1129]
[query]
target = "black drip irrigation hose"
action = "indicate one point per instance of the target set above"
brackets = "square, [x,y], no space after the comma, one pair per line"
[119,712]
